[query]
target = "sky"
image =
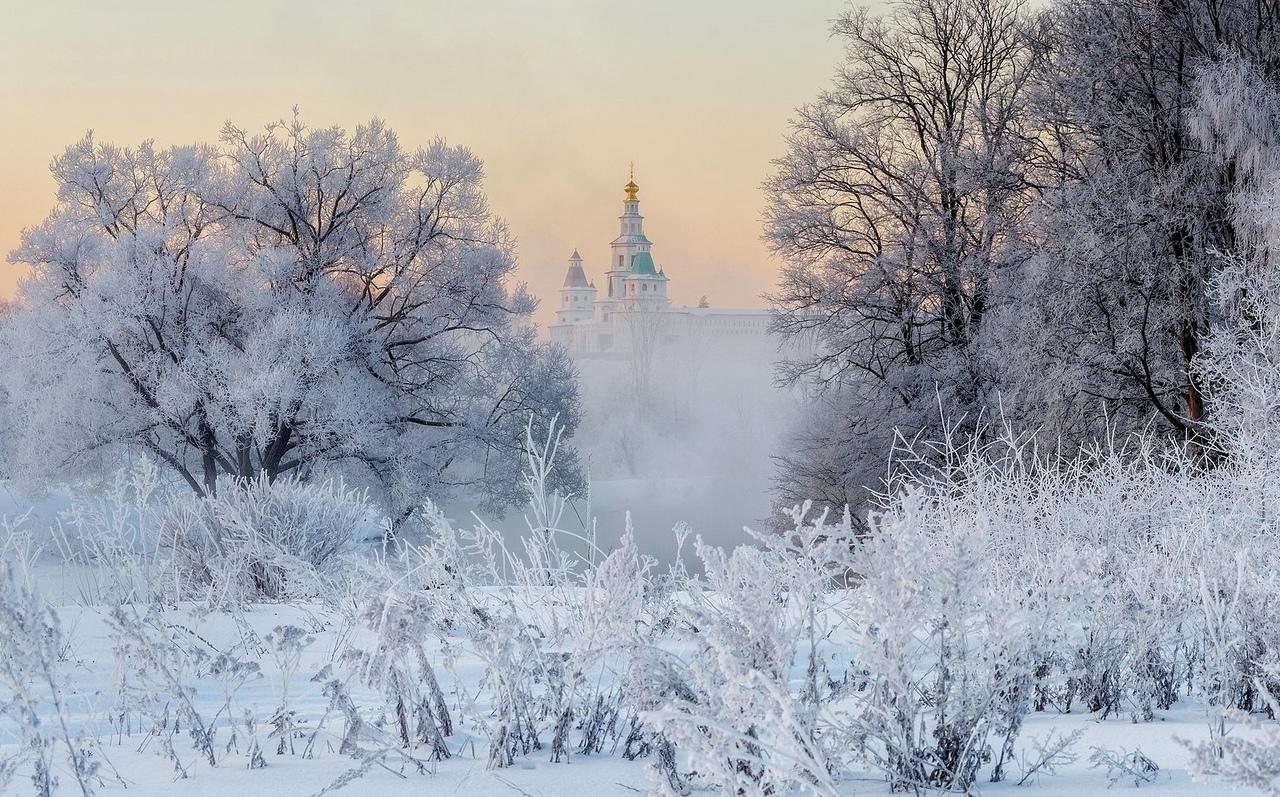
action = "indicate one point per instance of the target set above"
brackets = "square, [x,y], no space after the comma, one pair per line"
[557,97]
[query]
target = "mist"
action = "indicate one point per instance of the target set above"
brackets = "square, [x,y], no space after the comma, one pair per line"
[685,438]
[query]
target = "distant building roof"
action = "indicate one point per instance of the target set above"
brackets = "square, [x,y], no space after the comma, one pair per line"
[642,265]
[576,277]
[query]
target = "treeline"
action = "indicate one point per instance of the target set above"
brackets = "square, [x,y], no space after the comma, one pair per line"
[1041,215]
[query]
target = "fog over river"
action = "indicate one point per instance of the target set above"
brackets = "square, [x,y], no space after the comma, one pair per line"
[692,446]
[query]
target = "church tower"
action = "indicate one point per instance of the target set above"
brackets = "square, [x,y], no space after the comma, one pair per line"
[630,242]
[577,295]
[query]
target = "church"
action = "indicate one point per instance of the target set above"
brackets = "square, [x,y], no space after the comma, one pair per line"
[635,312]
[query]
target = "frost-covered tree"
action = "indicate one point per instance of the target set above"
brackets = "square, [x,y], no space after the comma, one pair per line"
[284,303]
[1104,324]
[1237,117]
[895,210]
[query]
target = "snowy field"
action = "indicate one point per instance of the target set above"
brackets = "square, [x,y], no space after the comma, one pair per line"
[1052,629]
[145,770]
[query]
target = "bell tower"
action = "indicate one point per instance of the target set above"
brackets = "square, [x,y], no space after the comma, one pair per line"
[631,239]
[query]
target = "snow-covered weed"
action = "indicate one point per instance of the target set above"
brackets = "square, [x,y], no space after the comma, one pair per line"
[1251,758]
[262,540]
[732,712]
[157,670]
[995,580]
[110,540]
[34,680]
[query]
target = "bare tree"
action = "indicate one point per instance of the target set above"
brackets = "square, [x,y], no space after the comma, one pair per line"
[895,209]
[1137,212]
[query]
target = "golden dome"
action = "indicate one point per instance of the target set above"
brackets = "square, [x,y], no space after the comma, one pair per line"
[631,188]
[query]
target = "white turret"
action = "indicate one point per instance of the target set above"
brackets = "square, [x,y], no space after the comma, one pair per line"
[577,295]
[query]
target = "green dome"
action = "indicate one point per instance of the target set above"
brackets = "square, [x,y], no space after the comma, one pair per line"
[642,263]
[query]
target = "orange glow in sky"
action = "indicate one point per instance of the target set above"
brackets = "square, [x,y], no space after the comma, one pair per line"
[557,97]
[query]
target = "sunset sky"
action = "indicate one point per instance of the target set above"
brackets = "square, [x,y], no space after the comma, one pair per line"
[556,97]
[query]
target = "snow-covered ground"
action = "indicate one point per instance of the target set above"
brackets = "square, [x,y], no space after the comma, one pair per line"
[1107,614]
[144,771]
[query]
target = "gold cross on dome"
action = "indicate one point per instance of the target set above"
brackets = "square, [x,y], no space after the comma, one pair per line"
[631,188]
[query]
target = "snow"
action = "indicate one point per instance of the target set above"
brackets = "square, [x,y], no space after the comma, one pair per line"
[986,615]
[557,666]
[174,637]
[146,772]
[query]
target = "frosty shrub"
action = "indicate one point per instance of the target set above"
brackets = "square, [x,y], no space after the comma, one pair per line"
[1133,563]
[549,620]
[946,652]
[111,537]
[142,540]
[264,539]
[731,710]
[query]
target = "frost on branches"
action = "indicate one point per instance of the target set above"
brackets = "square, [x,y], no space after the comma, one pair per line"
[295,301]
[1024,212]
